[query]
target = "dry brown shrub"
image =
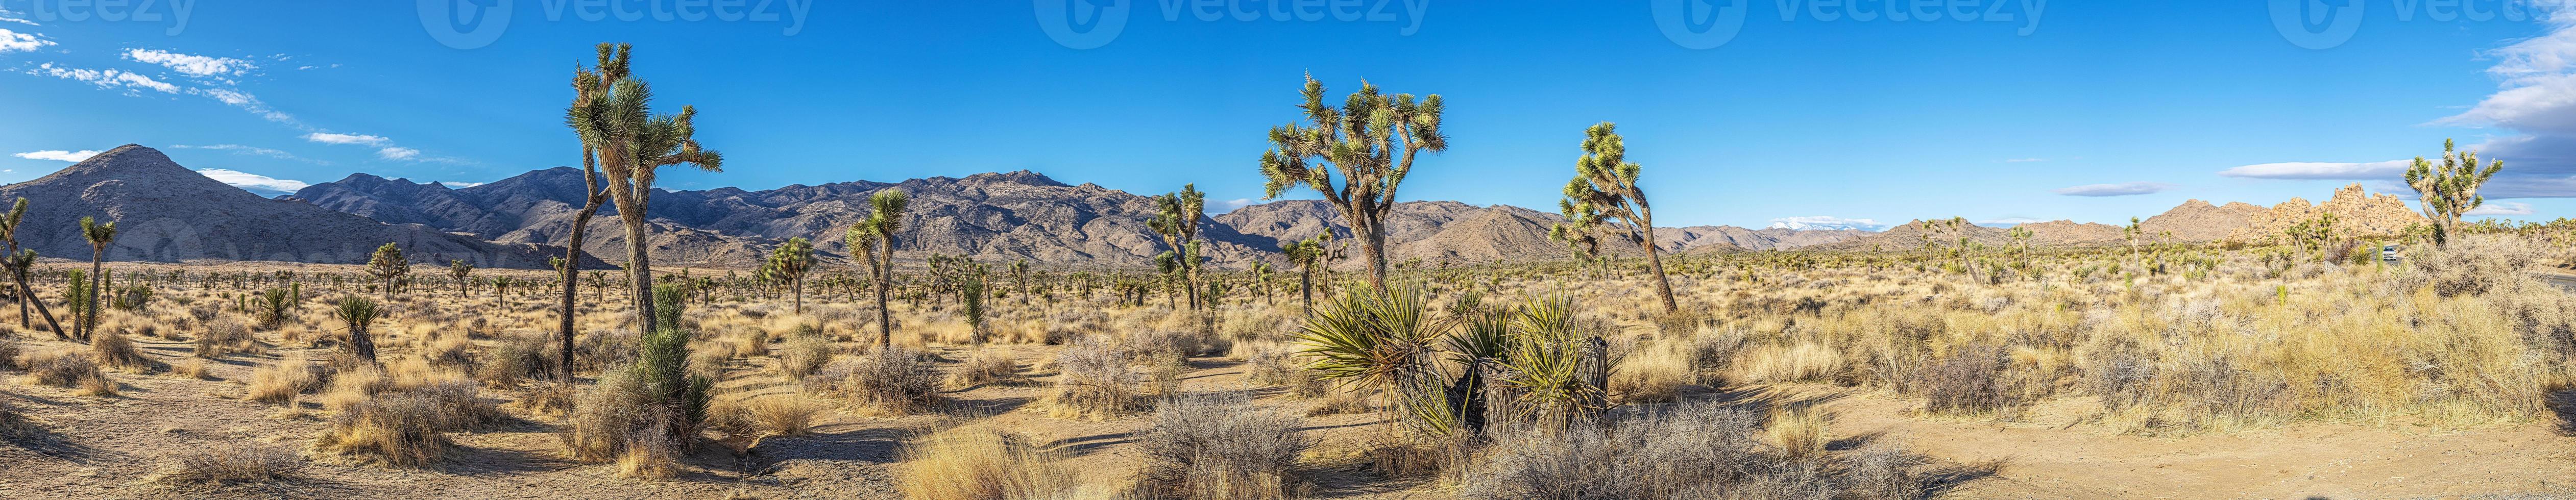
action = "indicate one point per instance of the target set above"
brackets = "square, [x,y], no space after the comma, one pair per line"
[229,465]
[978,463]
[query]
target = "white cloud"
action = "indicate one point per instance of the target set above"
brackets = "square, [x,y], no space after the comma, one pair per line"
[331,138]
[2503,208]
[58,155]
[254,182]
[191,65]
[2537,100]
[2122,189]
[105,78]
[2009,221]
[460,185]
[12,41]
[398,153]
[2322,170]
[1824,222]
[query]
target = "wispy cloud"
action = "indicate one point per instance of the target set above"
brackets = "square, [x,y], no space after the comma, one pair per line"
[105,78]
[2121,189]
[332,138]
[460,185]
[1230,205]
[2322,170]
[398,153]
[2025,160]
[1825,222]
[2537,100]
[58,155]
[12,41]
[254,182]
[191,64]
[2503,208]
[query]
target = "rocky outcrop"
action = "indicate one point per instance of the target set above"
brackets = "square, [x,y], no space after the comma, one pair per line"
[2357,214]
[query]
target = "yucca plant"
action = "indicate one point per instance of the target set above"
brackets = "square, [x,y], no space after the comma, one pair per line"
[1555,375]
[271,307]
[358,313]
[1382,341]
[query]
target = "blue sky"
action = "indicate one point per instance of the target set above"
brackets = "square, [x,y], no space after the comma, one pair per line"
[1804,117]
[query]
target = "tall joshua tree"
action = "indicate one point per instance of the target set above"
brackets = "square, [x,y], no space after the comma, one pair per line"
[9,231]
[872,241]
[616,123]
[1177,220]
[458,269]
[1356,156]
[1604,190]
[99,236]
[790,262]
[586,83]
[2451,189]
[387,265]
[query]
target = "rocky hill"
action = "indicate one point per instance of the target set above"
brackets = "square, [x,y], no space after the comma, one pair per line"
[167,213]
[2357,213]
[2198,221]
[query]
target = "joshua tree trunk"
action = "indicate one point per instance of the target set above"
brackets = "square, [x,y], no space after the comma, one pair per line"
[572,271]
[798,284]
[29,294]
[362,343]
[639,266]
[1306,288]
[1373,249]
[89,315]
[885,291]
[1655,264]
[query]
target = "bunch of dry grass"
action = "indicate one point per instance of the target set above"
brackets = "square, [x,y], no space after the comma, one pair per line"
[515,358]
[1279,368]
[9,353]
[194,368]
[987,367]
[1685,451]
[281,383]
[395,430]
[224,335]
[978,463]
[115,350]
[231,465]
[782,415]
[1970,381]
[1804,362]
[1094,381]
[803,354]
[66,368]
[890,381]
[1221,447]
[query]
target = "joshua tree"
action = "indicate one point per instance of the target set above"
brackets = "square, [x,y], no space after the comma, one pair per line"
[2451,189]
[586,83]
[1605,192]
[99,236]
[790,262]
[20,265]
[458,270]
[1305,254]
[1178,222]
[1020,275]
[358,312]
[1369,143]
[1261,280]
[616,123]
[9,231]
[387,265]
[872,241]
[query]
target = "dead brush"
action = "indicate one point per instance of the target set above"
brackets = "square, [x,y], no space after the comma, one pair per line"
[1970,381]
[282,382]
[802,354]
[116,350]
[988,367]
[224,466]
[1094,381]
[979,463]
[222,336]
[890,381]
[395,430]
[62,368]
[1221,446]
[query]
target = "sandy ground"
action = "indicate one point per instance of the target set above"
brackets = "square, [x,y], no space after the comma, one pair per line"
[109,447]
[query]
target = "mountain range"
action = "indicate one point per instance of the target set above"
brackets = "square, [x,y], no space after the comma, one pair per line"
[173,214]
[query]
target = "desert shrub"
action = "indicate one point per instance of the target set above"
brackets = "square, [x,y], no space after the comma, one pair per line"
[606,417]
[394,430]
[1804,362]
[893,380]
[1653,374]
[1969,381]
[1219,446]
[1799,431]
[223,465]
[803,353]
[1675,452]
[224,335]
[456,350]
[1094,382]
[515,358]
[781,416]
[1882,471]
[115,350]
[1279,368]
[599,351]
[977,463]
[194,368]
[9,352]
[62,368]
[282,382]
[2474,265]
[2217,391]
[988,367]
[460,407]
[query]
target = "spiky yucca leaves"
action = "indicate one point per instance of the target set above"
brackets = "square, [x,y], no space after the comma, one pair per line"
[1369,142]
[2451,189]
[387,265]
[790,262]
[99,236]
[662,364]
[1604,193]
[1383,341]
[615,120]
[872,241]
[358,313]
[272,307]
[1556,375]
